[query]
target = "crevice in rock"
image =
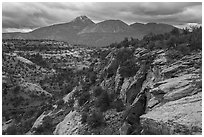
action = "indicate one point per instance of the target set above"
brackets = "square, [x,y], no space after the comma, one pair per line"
[138,107]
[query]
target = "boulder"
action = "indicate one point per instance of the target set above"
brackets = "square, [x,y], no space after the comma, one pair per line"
[70,125]
[124,128]
[39,120]
[70,95]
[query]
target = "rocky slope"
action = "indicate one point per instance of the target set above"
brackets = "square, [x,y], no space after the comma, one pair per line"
[22,96]
[31,84]
[175,103]
[161,98]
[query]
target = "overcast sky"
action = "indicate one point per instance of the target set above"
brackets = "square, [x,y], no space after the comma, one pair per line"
[28,16]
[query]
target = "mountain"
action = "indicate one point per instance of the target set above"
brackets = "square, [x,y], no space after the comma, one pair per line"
[106,32]
[83,30]
[156,28]
[63,32]
[108,26]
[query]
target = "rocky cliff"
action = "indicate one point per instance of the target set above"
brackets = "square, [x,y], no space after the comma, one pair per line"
[163,97]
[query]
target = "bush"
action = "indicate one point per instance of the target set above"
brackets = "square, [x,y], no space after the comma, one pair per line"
[16,89]
[84,117]
[183,48]
[103,101]
[70,103]
[38,130]
[196,39]
[18,101]
[159,44]
[171,42]
[175,31]
[47,122]
[83,98]
[38,59]
[128,69]
[97,91]
[96,119]
[151,45]
[67,90]
[26,125]
[173,54]
[60,102]
[29,113]
[124,54]
[124,43]
[118,104]
[12,130]
[93,77]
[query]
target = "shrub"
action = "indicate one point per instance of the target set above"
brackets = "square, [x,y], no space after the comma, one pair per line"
[28,113]
[159,44]
[124,43]
[84,117]
[60,102]
[38,59]
[18,101]
[103,101]
[71,102]
[26,125]
[97,91]
[171,42]
[83,98]
[128,68]
[118,104]
[175,31]
[16,89]
[47,122]
[124,54]
[173,54]
[12,130]
[67,89]
[77,94]
[96,119]
[196,39]
[151,45]
[183,48]
[93,77]
[38,130]
[39,112]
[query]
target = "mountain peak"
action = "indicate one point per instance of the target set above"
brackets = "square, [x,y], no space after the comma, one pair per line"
[83,19]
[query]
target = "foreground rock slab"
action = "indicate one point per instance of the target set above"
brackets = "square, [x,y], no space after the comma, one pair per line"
[182,116]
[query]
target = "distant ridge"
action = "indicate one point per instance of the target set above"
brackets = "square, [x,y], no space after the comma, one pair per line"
[83,30]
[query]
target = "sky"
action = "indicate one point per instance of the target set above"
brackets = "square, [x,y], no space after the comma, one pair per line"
[25,17]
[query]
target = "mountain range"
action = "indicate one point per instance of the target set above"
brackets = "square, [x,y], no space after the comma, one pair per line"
[83,30]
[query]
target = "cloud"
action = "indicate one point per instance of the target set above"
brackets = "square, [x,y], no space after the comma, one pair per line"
[16,30]
[34,15]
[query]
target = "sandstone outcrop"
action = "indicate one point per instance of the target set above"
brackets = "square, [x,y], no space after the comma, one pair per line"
[175,106]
